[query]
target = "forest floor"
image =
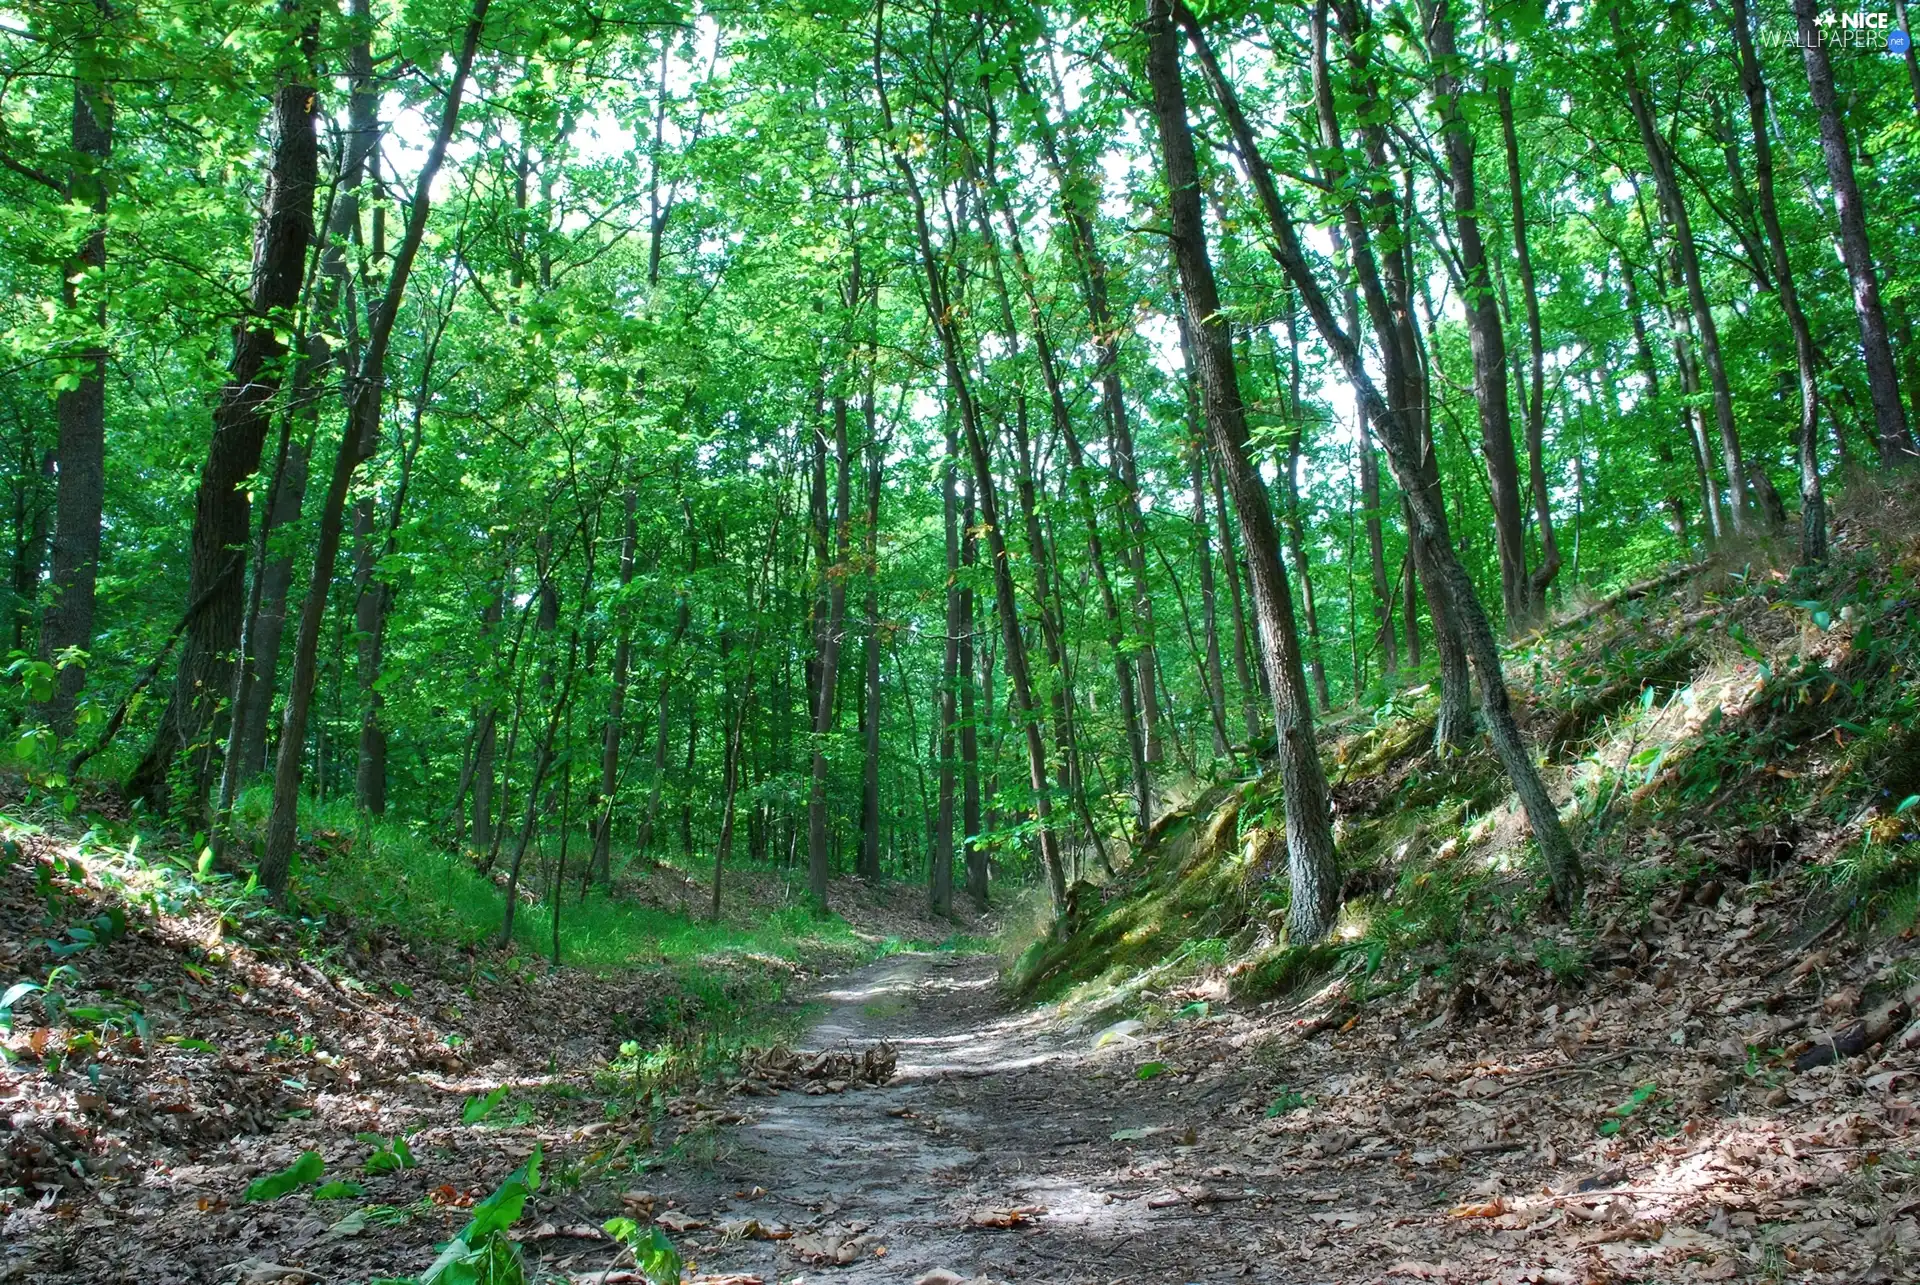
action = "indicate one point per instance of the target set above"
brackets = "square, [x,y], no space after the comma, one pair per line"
[1492,1131]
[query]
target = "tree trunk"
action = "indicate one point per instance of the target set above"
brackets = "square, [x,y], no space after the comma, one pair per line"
[940,877]
[819,864]
[601,862]
[1891,434]
[369,627]
[1312,870]
[1386,286]
[270,621]
[663,704]
[1453,588]
[959,391]
[1079,205]
[1813,503]
[969,645]
[1209,608]
[1673,204]
[1534,402]
[1079,481]
[1484,333]
[870,645]
[216,566]
[356,440]
[80,406]
[1242,663]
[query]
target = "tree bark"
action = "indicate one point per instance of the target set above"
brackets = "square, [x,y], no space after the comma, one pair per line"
[1674,206]
[870,644]
[1453,588]
[960,393]
[1484,334]
[80,405]
[356,440]
[1813,504]
[1242,663]
[270,621]
[663,704]
[1078,205]
[601,861]
[216,566]
[1213,673]
[1534,401]
[1891,434]
[819,864]
[1312,869]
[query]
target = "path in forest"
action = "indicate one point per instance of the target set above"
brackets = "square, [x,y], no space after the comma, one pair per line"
[992,1110]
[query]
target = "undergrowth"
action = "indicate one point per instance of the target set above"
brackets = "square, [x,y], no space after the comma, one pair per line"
[1751,722]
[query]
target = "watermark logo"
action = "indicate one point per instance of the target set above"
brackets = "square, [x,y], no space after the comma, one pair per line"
[1860,29]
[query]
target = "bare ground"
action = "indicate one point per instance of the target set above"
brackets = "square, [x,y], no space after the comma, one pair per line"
[1670,1117]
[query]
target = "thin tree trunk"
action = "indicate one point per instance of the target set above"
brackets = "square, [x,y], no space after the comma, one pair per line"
[1534,401]
[870,644]
[819,865]
[1312,869]
[1813,503]
[356,441]
[959,390]
[940,877]
[1454,590]
[80,408]
[1209,607]
[221,521]
[682,616]
[1079,202]
[1242,664]
[1484,333]
[1078,479]
[1891,433]
[600,864]
[1673,204]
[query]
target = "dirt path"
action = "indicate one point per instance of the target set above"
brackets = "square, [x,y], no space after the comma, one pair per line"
[993,1117]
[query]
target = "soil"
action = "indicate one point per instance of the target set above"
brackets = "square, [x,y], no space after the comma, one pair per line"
[1672,1115]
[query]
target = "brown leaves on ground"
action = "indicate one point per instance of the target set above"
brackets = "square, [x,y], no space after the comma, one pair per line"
[772,1070]
[1013,1216]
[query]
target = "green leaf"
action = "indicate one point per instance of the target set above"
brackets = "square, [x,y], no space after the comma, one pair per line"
[652,1252]
[1132,1135]
[1620,1114]
[15,993]
[307,1169]
[1906,805]
[1150,1070]
[1197,1009]
[339,1189]
[477,1109]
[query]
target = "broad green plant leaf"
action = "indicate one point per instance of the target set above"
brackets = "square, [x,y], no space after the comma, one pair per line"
[302,1172]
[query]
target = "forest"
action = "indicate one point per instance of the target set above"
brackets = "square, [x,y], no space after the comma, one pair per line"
[604,481]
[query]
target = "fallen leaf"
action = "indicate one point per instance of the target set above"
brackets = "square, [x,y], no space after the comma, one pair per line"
[676,1221]
[1490,1209]
[1017,1216]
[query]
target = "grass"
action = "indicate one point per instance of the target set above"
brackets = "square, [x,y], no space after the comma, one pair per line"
[385,874]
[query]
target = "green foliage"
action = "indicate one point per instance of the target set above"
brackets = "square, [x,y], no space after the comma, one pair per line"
[389,1155]
[303,1172]
[478,1108]
[654,1256]
[1618,1117]
[482,1254]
